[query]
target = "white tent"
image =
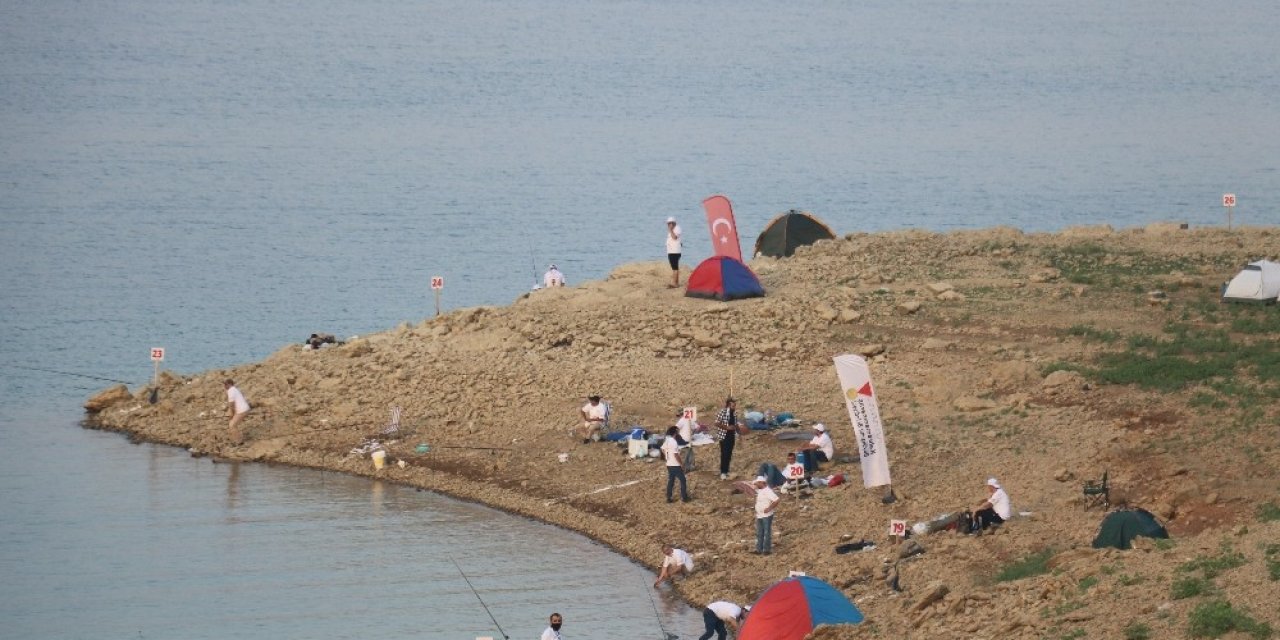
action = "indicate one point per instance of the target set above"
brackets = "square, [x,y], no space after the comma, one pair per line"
[1257,282]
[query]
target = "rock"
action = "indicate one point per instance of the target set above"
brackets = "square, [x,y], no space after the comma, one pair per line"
[937,344]
[1165,510]
[1046,275]
[971,403]
[706,340]
[848,316]
[1063,475]
[869,350]
[951,296]
[597,340]
[935,591]
[941,287]
[907,308]
[1212,498]
[1079,615]
[991,433]
[1062,378]
[771,348]
[826,312]
[909,548]
[107,397]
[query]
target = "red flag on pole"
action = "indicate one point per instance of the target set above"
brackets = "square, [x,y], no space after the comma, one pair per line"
[724,230]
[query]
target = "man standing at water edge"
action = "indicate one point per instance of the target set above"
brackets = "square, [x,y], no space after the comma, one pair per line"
[237,408]
[553,278]
[673,251]
[553,631]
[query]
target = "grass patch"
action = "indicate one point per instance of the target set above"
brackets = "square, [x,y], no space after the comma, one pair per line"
[1137,631]
[1213,566]
[1271,554]
[1089,333]
[1032,565]
[1268,512]
[1087,583]
[1164,544]
[1190,587]
[1217,617]
[1127,580]
[1092,263]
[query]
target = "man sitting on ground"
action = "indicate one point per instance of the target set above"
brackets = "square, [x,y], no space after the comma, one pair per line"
[676,562]
[794,472]
[553,278]
[995,509]
[818,450]
[594,413]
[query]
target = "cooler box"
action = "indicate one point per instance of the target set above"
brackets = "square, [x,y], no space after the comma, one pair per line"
[637,444]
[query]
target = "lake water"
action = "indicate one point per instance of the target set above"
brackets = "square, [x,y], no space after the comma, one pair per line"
[223,177]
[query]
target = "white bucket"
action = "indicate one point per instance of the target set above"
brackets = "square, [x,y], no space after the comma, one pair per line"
[379,459]
[564,457]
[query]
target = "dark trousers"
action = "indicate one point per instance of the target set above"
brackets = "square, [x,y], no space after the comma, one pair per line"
[726,451]
[985,518]
[672,474]
[714,625]
[812,458]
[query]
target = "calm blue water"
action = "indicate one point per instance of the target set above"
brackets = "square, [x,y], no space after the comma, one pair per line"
[222,177]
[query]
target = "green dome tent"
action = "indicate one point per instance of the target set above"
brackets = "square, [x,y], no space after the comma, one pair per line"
[788,231]
[1120,527]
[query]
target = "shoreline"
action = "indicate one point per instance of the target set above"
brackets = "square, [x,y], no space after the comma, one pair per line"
[987,350]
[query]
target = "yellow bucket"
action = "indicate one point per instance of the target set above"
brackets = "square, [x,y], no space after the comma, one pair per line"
[379,459]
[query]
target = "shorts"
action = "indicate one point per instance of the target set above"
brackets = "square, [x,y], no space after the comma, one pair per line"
[674,260]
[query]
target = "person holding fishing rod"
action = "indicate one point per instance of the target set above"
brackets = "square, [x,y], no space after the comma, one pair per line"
[553,631]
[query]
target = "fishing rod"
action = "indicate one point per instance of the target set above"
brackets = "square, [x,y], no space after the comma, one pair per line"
[486,607]
[665,634]
[68,373]
[533,267]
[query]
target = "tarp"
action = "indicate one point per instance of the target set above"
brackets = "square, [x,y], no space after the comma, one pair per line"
[723,278]
[789,231]
[724,229]
[864,413]
[1120,527]
[792,608]
[1257,282]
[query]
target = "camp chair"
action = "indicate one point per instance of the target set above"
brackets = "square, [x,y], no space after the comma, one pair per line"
[1097,492]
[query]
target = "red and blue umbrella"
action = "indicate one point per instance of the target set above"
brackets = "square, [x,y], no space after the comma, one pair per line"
[792,608]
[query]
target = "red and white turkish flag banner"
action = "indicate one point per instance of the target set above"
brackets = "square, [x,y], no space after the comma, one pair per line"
[864,413]
[724,230]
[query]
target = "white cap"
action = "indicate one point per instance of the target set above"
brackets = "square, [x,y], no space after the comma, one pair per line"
[671,219]
[762,479]
[820,427]
[991,482]
[553,265]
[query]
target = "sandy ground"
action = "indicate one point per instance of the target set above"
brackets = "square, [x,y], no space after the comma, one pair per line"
[963,331]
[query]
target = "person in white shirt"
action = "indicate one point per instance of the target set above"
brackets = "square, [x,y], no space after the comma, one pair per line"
[553,278]
[675,466]
[686,434]
[794,471]
[553,632]
[675,562]
[995,509]
[818,450]
[721,613]
[237,408]
[673,251]
[594,413]
[766,503]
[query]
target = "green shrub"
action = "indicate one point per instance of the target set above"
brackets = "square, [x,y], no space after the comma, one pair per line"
[1087,583]
[1268,512]
[1190,587]
[1214,618]
[1032,565]
[1137,631]
[1213,566]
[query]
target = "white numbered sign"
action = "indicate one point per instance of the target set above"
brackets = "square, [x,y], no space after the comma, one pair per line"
[1228,199]
[157,354]
[437,282]
[898,528]
[691,413]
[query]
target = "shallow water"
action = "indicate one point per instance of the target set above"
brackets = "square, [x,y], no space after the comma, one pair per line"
[224,177]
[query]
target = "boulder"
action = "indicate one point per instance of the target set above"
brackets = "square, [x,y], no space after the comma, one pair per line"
[1062,378]
[935,591]
[706,340]
[848,316]
[971,403]
[951,296]
[907,308]
[107,397]
[941,287]
[869,350]
[935,344]
[826,312]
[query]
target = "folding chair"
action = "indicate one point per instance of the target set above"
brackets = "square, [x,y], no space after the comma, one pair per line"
[1097,492]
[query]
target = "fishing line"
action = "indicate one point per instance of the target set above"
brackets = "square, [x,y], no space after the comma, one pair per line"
[665,635]
[68,373]
[533,266]
[486,607]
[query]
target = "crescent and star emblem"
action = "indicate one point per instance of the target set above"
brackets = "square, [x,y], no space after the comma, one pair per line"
[716,223]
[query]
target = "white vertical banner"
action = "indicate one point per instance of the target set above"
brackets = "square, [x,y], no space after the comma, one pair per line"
[864,413]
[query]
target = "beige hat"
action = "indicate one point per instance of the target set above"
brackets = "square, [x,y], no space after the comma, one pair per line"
[820,427]
[761,479]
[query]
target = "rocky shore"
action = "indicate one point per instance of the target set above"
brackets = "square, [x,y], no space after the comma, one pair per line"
[1041,359]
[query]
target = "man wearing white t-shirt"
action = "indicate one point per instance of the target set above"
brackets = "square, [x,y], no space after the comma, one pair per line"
[794,472]
[553,278]
[552,632]
[675,466]
[237,408]
[686,433]
[594,413]
[819,449]
[995,509]
[674,247]
[766,503]
[721,613]
[675,562]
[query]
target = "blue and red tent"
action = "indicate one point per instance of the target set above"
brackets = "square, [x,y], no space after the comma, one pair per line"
[723,278]
[792,608]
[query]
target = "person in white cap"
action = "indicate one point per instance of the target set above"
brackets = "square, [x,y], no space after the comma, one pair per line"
[818,450]
[766,503]
[673,251]
[552,278]
[721,613]
[995,509]
[675,562]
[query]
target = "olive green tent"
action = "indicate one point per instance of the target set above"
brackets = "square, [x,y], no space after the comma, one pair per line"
[1120,527]
[790,230]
